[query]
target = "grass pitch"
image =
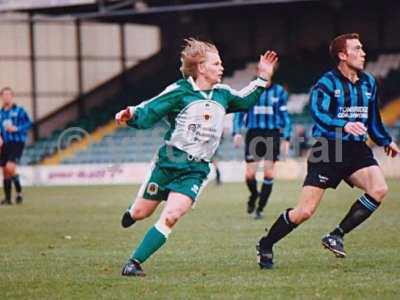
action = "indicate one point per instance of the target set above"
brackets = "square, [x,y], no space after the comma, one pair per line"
[67,243]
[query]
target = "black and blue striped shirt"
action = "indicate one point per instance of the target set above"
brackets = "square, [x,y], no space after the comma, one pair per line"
[335,100]
[18,117]
[270,112]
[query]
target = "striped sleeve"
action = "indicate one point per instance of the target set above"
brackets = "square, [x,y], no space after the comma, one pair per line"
[376,130]
[284,115]
[151,111]
[1,123]
[245,98]
[320,101]
[24,122]
[237,122]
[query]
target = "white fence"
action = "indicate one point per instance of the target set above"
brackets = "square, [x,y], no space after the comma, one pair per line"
[129,173]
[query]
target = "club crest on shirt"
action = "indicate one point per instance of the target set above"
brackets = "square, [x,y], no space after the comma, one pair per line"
[337,93]
[274,99]
[207,116]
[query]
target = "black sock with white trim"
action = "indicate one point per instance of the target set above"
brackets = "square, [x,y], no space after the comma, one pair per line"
[358,213]
[282,227]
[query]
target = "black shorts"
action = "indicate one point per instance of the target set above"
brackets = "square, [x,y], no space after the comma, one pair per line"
[328,164]
[11,151]
[262,144]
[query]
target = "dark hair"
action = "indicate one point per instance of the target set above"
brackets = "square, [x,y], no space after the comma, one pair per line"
[5,89]
[338,44]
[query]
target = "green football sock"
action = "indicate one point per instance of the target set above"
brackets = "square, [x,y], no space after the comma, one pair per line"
[152,241]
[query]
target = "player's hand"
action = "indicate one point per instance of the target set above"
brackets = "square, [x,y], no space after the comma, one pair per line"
[285,148]
[392,149]
[123,116]
[1,142]
[11,128]
[355,128]
[237,140]
[267,65]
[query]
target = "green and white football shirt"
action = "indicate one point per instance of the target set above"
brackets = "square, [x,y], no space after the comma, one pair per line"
[196,117]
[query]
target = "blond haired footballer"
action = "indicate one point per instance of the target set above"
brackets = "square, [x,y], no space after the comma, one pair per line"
[195,107]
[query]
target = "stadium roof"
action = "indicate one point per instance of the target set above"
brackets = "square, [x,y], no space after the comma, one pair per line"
[109,9]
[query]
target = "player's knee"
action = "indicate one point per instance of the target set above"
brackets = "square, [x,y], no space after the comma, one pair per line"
[268,174]
[301,215]
[7,173]
[379,192]
[172,217]
[140,213]
[250,175]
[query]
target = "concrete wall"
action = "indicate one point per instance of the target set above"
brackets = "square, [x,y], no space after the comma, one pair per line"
[56,58]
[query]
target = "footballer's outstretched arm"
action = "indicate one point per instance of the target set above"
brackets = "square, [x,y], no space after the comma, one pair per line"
[124,115]
[248,96]
[151,111]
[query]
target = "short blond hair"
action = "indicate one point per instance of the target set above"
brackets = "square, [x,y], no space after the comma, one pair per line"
[194,52]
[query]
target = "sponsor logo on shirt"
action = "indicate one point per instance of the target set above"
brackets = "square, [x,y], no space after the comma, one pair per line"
[7,123]
[263,110]
[353,112]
